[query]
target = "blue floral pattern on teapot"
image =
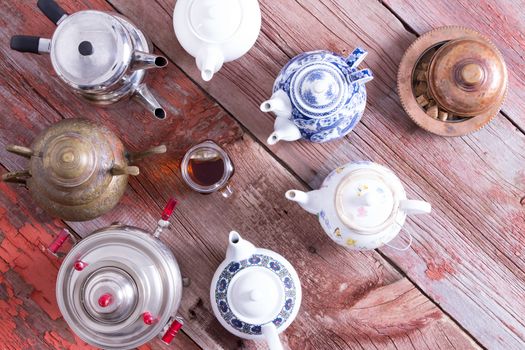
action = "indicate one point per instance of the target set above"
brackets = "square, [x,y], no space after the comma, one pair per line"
[319,96]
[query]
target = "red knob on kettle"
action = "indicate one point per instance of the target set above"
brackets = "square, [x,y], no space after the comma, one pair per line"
[105,300]
[172,331]
[80,265]
[169,208]
[148,318]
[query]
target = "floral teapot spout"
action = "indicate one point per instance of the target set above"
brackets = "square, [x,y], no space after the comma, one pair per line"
[319,96]
[361,205]
[255,293]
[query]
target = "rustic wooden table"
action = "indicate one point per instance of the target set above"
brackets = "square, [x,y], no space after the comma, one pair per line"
[462,285]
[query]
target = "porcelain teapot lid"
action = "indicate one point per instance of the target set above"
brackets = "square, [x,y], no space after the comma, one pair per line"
[257,287]
[319,89]
[367,200]
[112,280]
[213,21]
[91,49]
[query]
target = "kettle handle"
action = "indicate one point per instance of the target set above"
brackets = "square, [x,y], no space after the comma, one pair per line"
[20,150]
[31,44]
[51,9]
[172,331]
[165,216]
[135,156]
[361,76]
[356,57]
[16,176]
[59,240]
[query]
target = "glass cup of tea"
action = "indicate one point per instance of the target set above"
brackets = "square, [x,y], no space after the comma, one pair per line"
[207,168]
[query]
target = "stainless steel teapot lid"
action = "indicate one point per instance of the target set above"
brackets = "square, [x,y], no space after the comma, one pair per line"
[91,49]
[118,288]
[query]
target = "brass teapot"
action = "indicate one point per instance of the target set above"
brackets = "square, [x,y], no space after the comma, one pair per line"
[78,170]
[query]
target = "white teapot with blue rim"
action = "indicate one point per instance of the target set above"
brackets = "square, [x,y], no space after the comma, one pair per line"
[361,205]
[319,96]
[255,293]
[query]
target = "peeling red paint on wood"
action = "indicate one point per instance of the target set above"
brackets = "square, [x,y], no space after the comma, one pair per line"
[438,271]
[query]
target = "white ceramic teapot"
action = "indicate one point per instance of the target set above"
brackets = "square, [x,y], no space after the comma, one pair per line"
[255,293]
[216,31]
[361,205]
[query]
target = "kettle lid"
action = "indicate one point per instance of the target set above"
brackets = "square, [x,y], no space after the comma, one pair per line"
[215,21]
[110,280]
[468,76]
[91,49]
[367,199]
[319,89]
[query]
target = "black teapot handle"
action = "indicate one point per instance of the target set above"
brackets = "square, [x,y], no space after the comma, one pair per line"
[25,43]
[51,9]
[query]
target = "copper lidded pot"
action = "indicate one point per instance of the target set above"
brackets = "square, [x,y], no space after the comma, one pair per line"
[120,287]
[78,170]
[452,81]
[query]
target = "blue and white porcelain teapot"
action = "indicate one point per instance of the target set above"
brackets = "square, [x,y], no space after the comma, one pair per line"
[319,96]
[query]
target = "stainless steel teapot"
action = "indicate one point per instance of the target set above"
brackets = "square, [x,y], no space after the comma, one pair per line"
[101,56]
[120,287]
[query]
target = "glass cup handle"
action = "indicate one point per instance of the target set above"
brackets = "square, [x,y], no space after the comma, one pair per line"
[226,191]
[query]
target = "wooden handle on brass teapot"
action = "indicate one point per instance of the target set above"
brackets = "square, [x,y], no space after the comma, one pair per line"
[16,176]
[20,150]
[124,170]
[133,157]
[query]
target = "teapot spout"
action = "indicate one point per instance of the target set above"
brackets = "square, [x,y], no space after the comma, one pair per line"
[144,60]
[279,104]
[238,248]
[146,98]
[284,129]
[311,201]
[209,61]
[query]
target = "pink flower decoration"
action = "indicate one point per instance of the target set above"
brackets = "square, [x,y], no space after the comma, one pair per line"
[361,211]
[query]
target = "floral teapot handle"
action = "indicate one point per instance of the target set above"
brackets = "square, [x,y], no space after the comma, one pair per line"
[354,60]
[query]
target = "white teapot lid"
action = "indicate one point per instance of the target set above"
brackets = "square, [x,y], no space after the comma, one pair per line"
[215,21]
[257,288]
[256,295]
[367,200]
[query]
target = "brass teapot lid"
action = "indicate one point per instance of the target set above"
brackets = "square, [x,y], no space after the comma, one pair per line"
[73,161]
[467,77]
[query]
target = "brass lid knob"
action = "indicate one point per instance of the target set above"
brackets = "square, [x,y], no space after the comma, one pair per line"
[467,77]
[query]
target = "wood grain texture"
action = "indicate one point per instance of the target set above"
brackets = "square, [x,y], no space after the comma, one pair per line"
[337,283]
[469,254]
[501,21]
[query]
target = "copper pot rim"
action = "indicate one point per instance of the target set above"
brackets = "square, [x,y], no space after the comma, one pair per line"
[406,69]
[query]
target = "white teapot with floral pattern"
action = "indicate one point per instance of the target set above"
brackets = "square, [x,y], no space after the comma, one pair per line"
[361,205]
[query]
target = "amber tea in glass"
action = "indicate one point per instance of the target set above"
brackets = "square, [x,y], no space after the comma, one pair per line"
[206,168]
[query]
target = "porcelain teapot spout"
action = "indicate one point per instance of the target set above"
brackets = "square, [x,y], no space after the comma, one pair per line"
[145,60]
[309,201]
[209,61]
[238,248]
[284,127]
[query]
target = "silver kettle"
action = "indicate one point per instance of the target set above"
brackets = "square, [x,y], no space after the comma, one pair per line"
[101,56]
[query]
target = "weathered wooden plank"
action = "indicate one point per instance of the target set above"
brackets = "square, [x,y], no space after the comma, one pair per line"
[502,21]
[474,240]
[334,278]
